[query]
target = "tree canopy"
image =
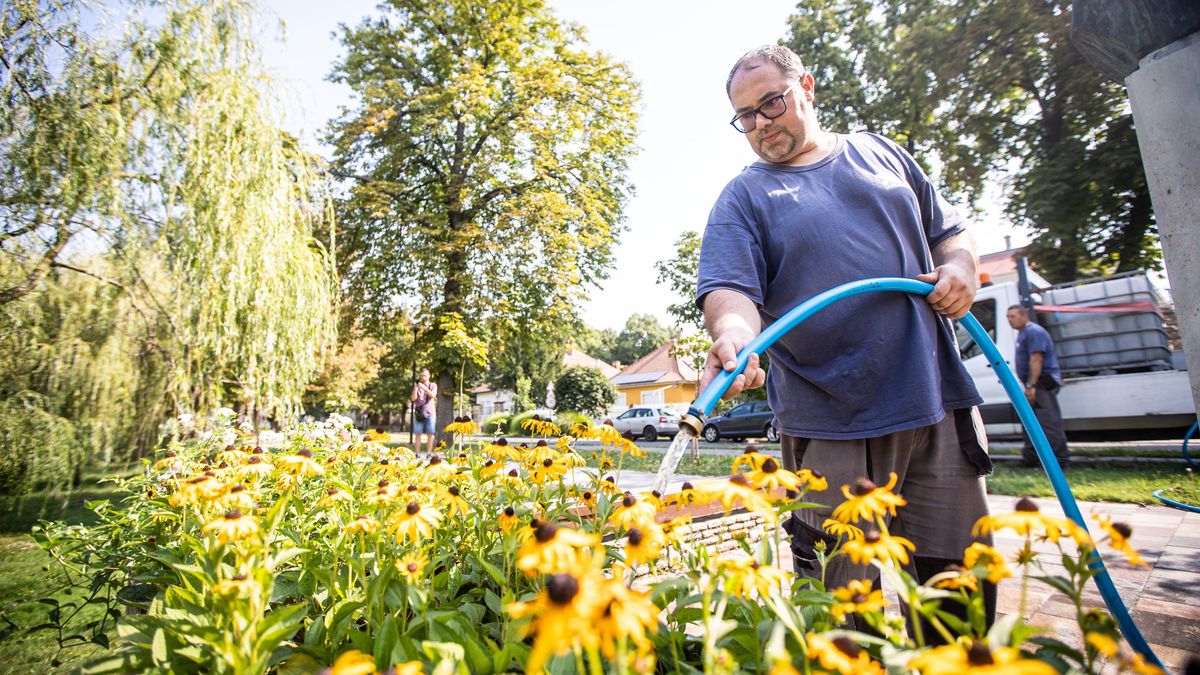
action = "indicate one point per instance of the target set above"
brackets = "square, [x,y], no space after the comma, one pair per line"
[584,390]
[486,165]
[992,88]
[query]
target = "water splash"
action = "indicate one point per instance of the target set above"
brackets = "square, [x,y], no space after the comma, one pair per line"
[671,459]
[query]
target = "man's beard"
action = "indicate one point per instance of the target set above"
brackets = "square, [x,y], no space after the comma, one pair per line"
[779,147]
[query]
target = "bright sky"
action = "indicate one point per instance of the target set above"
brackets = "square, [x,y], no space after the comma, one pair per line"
[679,50]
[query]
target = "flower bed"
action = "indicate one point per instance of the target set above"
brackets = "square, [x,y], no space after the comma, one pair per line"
[333,550]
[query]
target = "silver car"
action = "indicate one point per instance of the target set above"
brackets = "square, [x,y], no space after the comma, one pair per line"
[648,422]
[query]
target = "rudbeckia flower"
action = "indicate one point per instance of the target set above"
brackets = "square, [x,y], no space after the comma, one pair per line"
[743,575]
[1103,643]
[415,522]
[1026,520]
[857,597]
[411,566]
[490,469]
[841,655]
[463,425]
[540,427]
[196,489]
[540,452]
[564,615]
[362,524]
[840,529]
[670,528]
[238,497]
[866,501]
[585,496]
[332,496]
[1118,538]
[877,545]
[508,520]
[632,512]
[977,659]
[353,662]
[239,586]
[642,544]
[300,464]
[982,555]
[751,458]
[571,459]
[547,469]
[736,490]
[605,463]
[813,479]
[455,504]
[954,578]
[233,526]
[687,496]
[608,486]
[552,549]
[376,436]
[512,479]
[626,614]
[770,475]
[437,470]
[1138,665]
[500,450]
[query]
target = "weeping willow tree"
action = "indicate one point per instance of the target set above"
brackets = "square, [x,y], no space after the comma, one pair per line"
[166,247]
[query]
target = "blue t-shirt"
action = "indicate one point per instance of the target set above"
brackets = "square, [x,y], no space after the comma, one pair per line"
[868,365]
[1030,340]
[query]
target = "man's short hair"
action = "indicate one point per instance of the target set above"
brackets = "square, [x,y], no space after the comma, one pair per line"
[1019,308]
[788,62]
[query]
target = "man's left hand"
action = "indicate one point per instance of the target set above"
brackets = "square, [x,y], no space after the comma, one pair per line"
[953,290]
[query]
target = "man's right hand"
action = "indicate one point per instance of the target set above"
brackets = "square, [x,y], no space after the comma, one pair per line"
[722,356]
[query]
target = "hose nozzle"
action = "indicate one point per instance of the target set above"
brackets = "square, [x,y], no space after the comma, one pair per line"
[693,420]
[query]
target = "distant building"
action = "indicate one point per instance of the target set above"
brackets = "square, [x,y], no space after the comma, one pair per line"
[657,378]
[489,400]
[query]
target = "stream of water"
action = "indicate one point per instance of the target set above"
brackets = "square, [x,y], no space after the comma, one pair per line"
[671,459]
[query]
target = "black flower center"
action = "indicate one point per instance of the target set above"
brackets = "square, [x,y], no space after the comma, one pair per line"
[412,568]
[1026,505]
[979,654]
[636,537]
[656,493]
[545,532]
[237,488]
[510,511]
[514,474]
[1123,529]
[587,495]
[233,514]
[628,501]
[305,453]
[383,483]
[331,491]
[859,598]
[862,486]
[770,466]
[502,441]
[547,462]
[412,488]
[562,588]
[872,536]
[689,486]
[541,443]
[846,646]
[738,479]
[453,490]
[435,460]
[412,509]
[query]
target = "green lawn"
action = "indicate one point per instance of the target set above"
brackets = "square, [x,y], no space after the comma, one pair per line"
[28,574]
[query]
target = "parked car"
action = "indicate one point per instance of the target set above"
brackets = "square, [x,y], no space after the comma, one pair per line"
[648,421]
[753,419]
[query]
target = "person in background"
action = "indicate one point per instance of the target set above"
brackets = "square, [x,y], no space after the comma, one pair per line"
[1037,368]
[424,398]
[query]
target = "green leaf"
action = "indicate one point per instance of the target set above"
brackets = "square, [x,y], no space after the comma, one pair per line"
[386,640]
[158,648]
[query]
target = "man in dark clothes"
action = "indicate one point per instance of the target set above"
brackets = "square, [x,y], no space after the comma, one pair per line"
[1037,368]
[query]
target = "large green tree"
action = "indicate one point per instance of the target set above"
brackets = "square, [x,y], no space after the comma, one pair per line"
[642,334]
[992,88]
[679,272]
[486,159]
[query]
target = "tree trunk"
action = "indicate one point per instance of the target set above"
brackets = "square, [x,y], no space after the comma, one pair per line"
[445,405]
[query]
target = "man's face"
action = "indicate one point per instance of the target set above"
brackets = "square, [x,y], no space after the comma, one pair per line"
[1017,319]
[787,137]
[424,375]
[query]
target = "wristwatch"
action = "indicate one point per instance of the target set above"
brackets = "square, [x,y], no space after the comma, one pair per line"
[1031,385]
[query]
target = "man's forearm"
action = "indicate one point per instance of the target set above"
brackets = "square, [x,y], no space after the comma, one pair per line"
[1035,368]
[957,250]
[726,310]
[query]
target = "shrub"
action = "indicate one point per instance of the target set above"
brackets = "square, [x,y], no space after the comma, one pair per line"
[497,423]
[514,423]
[568,419]
[584,390]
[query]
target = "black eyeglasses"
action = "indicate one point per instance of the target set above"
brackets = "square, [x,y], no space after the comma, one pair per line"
[772,108]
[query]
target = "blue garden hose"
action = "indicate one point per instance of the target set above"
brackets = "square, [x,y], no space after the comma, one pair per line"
[1171,502]
[703,405]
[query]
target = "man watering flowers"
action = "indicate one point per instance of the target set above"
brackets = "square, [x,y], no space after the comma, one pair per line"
[869,391]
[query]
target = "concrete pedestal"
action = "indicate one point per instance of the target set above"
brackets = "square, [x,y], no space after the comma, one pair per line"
[1165,95]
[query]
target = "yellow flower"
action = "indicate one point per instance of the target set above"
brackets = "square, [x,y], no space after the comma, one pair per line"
[564,614]
[743,575]
[540,452]
[770,475]
[540,427]
[362,524]
[552,549]
[240,586]
[489,469]
[608,486]
[955,577]
[625,614]
[512,480]
[671,527]
[353,662]
[508,520]
[877,545]
[866,501]
[204,487]
[376,436]
[1027,520]
[382,494]
[587,498]
[1118,538]
[233,526]
[642,543]
[300,464]
[238,497]
[572,459]
[736,490]
[1138,665]
[813,479]
[632,512]
[411,566]
[841,655]
[437,470]
[982,555]
[500,450]
[332,496]
[977,659]
[687,496]
[455,504]
[857,598]
[751,458]
[840,529]
[462,425]
[545,470]
[605,463]
[256,467]
[1105,644]
[415,522]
